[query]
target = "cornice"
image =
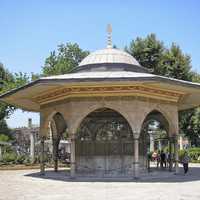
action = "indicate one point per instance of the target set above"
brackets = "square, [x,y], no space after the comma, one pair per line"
[124,90]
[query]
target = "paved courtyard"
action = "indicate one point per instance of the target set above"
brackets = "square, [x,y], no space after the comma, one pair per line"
[27,184]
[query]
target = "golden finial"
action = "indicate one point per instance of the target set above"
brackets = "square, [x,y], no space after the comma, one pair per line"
[109,31]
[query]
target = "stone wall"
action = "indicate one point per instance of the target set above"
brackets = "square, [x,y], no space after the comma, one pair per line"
[107,166]
[133,109]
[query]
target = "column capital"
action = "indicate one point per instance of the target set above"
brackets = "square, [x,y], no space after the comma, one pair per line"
[136,136]
[72,136]
[175,137]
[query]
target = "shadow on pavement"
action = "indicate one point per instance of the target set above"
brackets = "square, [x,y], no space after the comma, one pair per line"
[153,176]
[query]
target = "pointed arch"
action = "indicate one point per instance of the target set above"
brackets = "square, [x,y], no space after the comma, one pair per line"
[78,119]
[105,119]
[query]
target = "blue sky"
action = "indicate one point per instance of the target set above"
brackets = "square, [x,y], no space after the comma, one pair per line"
[29,30]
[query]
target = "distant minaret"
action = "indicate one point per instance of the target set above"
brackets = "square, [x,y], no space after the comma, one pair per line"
[109,31]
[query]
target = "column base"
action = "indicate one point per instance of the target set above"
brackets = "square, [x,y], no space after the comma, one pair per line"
[72,177]
[136,173]
[42,173]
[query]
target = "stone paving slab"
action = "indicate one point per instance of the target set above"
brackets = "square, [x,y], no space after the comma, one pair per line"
[28,185]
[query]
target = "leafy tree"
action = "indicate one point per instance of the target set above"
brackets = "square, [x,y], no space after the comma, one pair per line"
[64,60]
[8,82]
[174,63]
[35,76]
[190,125]
[148,52]
[171,62]
[4,138]
[18,80]
[152,54]
[4,127]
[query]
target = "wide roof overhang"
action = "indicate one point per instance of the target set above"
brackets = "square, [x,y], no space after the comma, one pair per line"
[116,83]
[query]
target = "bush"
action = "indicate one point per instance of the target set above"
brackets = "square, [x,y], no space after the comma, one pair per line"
[9,158]
[194,154]
[181,154]
[12,158]
[4,138]
[20,159]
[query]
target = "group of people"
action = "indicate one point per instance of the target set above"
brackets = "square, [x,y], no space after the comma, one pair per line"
[163,159]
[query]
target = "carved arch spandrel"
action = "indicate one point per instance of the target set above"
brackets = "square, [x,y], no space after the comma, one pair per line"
[79,114]
[169,112]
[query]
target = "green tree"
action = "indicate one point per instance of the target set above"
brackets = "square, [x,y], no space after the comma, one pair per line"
[190,125]
[152,54]
[4,127]
[4,138]
[148,52]
[174,63]
[67,57]
[171,62]
[8,82]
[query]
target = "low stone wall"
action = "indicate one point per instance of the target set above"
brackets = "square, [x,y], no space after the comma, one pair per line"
[111,166]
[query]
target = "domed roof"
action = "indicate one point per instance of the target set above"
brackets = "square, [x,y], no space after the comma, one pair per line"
[109,59]
[109,55]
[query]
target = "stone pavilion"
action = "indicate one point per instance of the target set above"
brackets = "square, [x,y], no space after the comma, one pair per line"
[104,105]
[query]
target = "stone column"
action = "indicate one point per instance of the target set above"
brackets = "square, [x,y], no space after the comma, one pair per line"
[73,157]
[136,157]
[151,143]
[55,152]
[32,146]
[42,162]
[42,140]
[0,152]
[159,145]
[176,154]
[181,142]
[170,154]
[32,141]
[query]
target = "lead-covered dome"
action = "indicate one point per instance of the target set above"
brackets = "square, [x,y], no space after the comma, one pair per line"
[109,59]
[109,55]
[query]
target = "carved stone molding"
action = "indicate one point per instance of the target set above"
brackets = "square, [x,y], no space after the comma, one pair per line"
[135,90]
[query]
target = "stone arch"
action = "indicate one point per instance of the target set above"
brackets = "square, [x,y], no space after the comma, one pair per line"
[169,118]
[160,118]
[104,143]
[77,120]
[105,114]
[51,116]
[157,137]
[55,125]
[59,123]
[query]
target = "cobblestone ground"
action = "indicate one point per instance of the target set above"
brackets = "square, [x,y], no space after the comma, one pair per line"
[27,184]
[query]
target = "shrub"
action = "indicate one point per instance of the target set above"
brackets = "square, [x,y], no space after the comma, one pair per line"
[20,159]
[9,158]
[181,154]
[194,154]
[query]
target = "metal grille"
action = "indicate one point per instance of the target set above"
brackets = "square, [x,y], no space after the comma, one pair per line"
[104,132]
[101,148]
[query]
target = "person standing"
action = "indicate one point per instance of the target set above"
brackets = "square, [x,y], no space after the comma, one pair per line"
[185,161]
[167,158]
[163,159]
[158,158]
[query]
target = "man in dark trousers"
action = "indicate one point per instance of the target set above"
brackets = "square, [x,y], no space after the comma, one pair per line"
[163,159]
[185,161]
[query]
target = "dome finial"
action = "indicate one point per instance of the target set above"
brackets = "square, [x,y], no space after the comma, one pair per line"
[109,31]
